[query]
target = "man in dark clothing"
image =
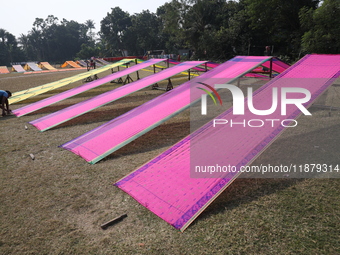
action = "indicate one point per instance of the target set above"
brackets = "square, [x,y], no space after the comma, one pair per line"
[4,95]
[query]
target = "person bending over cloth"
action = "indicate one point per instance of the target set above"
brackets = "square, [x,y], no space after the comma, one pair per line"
[4,95]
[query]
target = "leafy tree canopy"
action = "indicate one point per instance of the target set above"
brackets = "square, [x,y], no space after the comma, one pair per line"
[210,29]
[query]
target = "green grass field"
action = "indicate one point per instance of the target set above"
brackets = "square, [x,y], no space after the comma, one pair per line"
[56,203]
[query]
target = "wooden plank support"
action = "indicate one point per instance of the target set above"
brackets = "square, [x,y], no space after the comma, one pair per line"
[88,79]
[128,79]
[169,86]
[271,68]
[113,81]
[113,222]
[155,86]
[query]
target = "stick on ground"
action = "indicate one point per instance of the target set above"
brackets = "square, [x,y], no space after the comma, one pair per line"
[114,221]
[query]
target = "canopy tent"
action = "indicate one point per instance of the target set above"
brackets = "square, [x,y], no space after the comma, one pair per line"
[82,63]
[71,64]
[4,69]
[31,66]
[46,65]
[18,68]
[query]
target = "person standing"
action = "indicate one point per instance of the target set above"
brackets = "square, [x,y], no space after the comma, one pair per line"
[267,51]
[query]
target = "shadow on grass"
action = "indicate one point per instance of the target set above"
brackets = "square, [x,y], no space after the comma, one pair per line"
[94,117]
[243,191]
[50,109]
[162,136]
[7,117]
[167,134]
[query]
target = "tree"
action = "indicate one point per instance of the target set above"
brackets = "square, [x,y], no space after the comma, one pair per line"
[113,30]
[171,16]
[323,28]
[143,34]
[276,22]
[88,51]
[213,28]
[9,50]
[54,40]
[90,25]
[23,41]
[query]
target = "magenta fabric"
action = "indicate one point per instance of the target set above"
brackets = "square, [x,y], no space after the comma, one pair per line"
[212,64]
[195,68]
[165,185]
[277,65]
[208,64]
[73,111]
[98,143]
[75,91]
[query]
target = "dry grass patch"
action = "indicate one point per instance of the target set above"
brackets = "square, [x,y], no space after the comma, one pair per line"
[56,203]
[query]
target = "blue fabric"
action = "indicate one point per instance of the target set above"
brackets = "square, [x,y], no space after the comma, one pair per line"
[3,93]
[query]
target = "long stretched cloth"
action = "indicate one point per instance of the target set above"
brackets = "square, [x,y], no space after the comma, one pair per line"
[75,91]
[24,94]
[157,66]
[72,78]
[277,65]
[104,62]
[196,68]
[169,186]
[73,111]
[102,141]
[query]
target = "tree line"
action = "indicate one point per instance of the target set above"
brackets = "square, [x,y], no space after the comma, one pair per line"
[210,29]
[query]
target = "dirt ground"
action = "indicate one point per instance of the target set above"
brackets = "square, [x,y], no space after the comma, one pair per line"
[56,203]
